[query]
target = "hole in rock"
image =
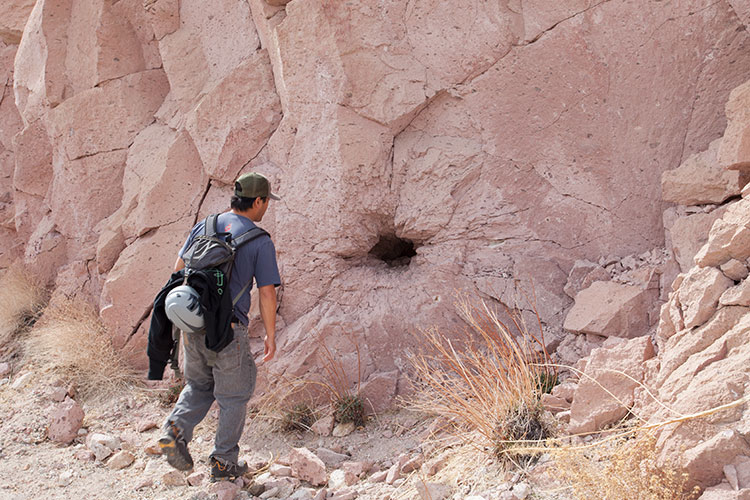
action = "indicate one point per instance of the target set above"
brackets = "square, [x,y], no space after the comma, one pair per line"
[393,251]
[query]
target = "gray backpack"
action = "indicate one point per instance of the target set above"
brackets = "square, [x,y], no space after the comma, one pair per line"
[212,251]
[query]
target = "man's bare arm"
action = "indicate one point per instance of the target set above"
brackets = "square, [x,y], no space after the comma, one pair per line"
[267,298]
[179,264]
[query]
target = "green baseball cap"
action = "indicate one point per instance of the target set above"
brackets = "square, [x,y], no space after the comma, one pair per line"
[253,185]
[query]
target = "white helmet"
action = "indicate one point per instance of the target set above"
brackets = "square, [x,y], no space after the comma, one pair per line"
[183,308]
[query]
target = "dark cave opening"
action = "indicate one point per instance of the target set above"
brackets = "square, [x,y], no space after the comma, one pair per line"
[393,250]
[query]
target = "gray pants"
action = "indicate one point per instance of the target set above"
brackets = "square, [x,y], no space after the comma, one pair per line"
[227,377]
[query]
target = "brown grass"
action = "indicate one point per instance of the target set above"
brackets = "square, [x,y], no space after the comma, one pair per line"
[22,299]
[332,392]
[70,341]
[489,380]
[621,469]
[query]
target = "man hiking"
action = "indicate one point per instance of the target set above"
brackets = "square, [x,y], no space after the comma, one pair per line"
[227,376]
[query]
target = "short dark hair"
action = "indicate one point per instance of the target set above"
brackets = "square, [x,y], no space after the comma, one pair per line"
[242,204]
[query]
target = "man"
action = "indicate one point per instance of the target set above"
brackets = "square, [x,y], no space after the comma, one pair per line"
[227,376]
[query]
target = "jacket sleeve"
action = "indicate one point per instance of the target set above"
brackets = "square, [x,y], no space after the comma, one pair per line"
[160,343]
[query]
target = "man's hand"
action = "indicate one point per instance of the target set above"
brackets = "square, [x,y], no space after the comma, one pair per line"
[269,348]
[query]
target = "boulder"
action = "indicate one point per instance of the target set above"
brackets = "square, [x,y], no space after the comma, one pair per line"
[688,233]
[174,478]
[323,426]
[379,391]
[701,180]
[705,462]
[224,490]
[724,491]
[738,295]
[330,457]
[734,152]
[305,465]
[120,460]
[340,479]
[582,275]
[65,422]
[699,294]
[103,445]
[741,466]
[735,270]
[433,491]
[725,241]
[608,308]
[605,393]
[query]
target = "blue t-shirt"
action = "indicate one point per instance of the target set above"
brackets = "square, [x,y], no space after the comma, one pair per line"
[256,259]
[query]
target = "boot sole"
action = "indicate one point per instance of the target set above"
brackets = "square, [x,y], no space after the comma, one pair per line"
[168,446]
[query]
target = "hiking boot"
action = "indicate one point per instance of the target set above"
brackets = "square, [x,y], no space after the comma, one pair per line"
[173,445]
[225,470]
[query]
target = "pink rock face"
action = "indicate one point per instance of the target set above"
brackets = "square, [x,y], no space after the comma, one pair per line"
[40,74]
[686,234]
[705,462]
[699,294]
[726,241]
[387,60]
[742,10]
[247,110]
[608,309]
[735,146]
[701,179]
[606,390]
[421,148]
[379,391]
[107,117]
[65,421]
[13,16]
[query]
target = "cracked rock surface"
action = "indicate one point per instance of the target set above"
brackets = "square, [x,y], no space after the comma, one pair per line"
[421,147]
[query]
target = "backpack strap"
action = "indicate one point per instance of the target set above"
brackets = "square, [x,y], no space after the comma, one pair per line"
[247,237]
[242,292]
[237,242]
[210,226]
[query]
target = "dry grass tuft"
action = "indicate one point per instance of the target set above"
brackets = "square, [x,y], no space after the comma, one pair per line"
[299,417]
[330,393]
[621,469]
[490,381]
[22,300]
[70,341]
[346,402]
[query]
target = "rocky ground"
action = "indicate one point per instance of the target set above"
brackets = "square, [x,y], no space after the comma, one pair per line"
[113,454]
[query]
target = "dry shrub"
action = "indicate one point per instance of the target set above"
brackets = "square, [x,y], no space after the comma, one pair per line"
[347,403]
[22,299]
[490,381]
[621,469]
[330,393]
[70,340]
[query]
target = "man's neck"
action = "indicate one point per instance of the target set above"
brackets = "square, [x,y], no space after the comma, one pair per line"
[248,214]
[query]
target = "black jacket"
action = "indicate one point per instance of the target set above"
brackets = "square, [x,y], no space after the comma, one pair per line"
[217,312]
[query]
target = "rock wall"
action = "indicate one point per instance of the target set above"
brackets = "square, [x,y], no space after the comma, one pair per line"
[695,373]
[420,147]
